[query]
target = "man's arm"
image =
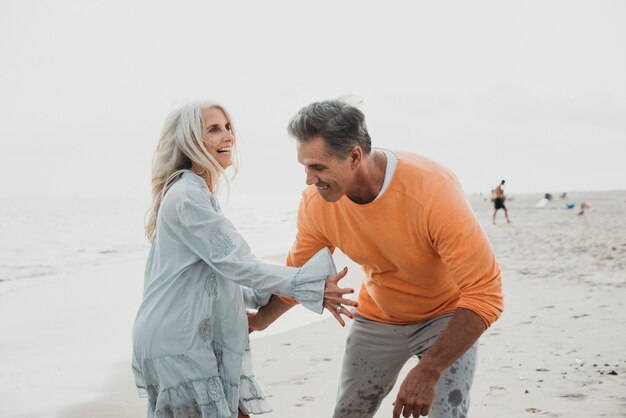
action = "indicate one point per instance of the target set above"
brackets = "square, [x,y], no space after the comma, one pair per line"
[418,388]
[465,250]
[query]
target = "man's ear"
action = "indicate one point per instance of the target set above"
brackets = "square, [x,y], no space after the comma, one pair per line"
[356,154]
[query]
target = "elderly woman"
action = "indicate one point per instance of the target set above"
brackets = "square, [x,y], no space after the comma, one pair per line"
[191,354]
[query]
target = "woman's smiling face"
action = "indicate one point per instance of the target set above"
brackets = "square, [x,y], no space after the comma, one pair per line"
[218,136]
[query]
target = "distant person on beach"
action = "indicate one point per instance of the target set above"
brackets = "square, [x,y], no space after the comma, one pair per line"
[432,285]
[583,206]
[498,202]
[191,354]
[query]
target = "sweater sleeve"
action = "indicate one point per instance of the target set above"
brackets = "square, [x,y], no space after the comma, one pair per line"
[464,248]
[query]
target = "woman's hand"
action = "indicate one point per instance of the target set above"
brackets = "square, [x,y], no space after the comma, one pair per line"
[334,300]
[255,322]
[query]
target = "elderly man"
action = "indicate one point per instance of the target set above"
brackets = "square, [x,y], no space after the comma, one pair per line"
[432,285]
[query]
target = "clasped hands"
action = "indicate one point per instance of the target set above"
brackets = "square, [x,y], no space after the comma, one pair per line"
[334,301]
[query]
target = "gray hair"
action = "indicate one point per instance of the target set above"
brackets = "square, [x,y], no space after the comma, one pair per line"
[341,125]
[180,146]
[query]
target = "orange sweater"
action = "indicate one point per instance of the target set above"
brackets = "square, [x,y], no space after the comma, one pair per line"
[420,245]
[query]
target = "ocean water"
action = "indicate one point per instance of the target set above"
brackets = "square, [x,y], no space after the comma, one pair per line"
[46,238]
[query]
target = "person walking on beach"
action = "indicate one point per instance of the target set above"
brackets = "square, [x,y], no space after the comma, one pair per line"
[498,202]
[191,354]
[432,285]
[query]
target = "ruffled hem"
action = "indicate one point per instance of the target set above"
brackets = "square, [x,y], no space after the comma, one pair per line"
[172,393]
[193,411]
[254,406]
[195,399]
[309,282]
[251,397]
[205,398]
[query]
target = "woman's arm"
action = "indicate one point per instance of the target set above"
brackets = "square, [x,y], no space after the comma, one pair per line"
[213,238]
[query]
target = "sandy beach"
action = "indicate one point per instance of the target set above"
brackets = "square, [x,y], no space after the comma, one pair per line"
[559,349]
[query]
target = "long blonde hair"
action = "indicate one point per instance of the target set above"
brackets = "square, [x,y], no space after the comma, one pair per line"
[180,146]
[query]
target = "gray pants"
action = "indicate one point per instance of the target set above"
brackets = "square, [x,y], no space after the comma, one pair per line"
[374,356]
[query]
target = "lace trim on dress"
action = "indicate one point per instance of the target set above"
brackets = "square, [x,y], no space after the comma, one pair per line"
[220,243]
[210,284]
[205,329]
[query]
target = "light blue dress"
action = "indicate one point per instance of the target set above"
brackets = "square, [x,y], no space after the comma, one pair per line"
[191,354]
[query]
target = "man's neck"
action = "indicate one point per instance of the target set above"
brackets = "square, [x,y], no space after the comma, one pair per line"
[369,179]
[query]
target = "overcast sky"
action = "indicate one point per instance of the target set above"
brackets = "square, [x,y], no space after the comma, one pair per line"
[533,92]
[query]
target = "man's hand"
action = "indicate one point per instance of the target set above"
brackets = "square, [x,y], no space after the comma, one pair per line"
[418,389]
[334,300]
[416,393]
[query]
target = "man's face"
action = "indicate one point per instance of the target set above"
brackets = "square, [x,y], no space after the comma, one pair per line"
[329,174]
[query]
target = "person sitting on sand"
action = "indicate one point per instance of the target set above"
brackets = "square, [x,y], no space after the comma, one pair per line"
[498,202]
[583,206]
[432,285]
[191,354]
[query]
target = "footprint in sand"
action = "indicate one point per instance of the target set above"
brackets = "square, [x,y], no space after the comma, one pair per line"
[300,381]
[574,396]
[497,391]
[539,411]
[305,399]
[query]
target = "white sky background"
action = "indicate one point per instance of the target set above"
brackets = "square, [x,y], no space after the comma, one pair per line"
[530,91]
